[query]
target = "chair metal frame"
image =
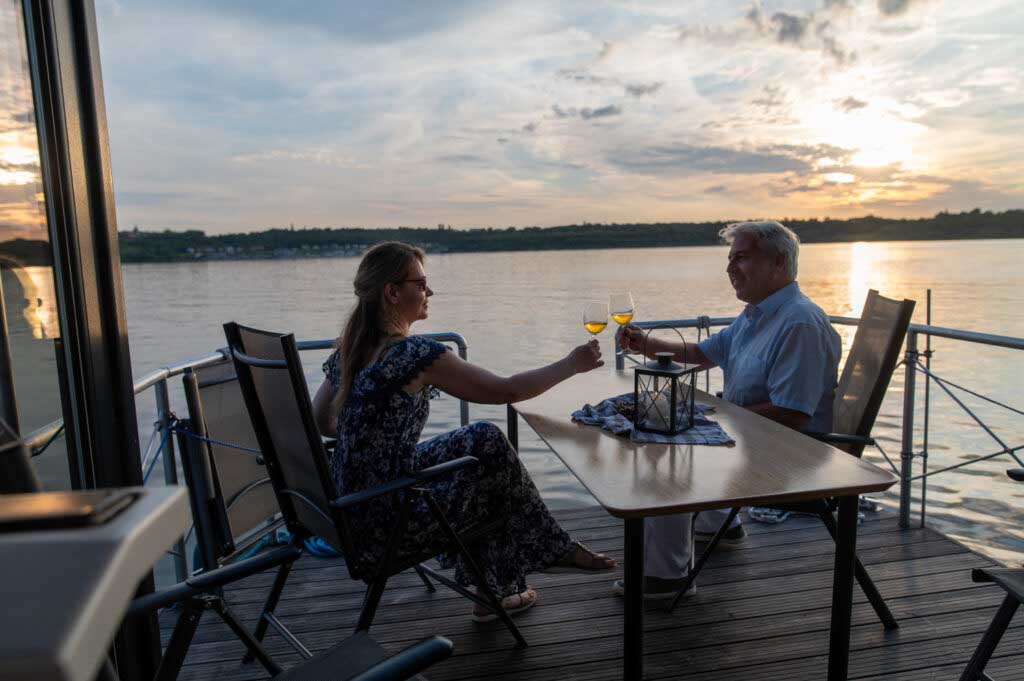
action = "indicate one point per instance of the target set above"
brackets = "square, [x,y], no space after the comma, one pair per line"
[305,516]
[210,511]
[357,658]
[221,566]
[1010,580]
[853,443]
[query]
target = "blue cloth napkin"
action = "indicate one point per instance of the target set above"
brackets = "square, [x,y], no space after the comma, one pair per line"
[604,414]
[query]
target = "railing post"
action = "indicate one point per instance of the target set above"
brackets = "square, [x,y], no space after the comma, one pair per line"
[907,452]
[163,414]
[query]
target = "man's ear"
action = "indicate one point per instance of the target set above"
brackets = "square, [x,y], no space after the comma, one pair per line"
[780,262]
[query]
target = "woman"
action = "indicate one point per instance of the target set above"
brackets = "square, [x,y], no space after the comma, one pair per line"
[375,400]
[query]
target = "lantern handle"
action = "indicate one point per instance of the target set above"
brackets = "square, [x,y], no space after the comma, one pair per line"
[663,326]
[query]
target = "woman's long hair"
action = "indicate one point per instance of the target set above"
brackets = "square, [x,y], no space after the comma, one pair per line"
[371,320]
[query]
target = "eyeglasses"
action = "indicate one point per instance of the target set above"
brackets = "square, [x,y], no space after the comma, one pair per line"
[421,283]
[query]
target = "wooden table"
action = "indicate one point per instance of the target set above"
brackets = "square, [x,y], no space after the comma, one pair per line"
[769,463]
[65,591]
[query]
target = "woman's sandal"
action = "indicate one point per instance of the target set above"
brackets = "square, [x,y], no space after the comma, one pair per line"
[593,562]
[513,605]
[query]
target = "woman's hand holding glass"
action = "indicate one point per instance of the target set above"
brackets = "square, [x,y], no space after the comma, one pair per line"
[586,357]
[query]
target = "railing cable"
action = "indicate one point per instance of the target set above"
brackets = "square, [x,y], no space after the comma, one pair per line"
[1006,448]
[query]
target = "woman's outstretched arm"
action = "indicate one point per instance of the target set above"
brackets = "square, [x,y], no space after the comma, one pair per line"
[466,381]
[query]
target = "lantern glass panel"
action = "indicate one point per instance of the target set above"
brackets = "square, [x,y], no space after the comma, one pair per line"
[664,398]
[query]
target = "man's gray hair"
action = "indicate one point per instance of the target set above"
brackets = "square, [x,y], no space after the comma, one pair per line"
[773,238]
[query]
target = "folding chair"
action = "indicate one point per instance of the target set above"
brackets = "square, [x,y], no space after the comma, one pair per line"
[233,503]
[270,375]
[1010,580]
[869,366]
[232,508]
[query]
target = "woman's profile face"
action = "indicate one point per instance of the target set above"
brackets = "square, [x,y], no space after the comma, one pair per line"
[412,294]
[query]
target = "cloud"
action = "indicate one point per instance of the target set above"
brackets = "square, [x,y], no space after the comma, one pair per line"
[586,113]
[892,8]
[771,98]
[530,128]
[849,104]
[796,30]
[641,89]
[378,22]
[581,76]
[716,189]
[790,28]
[686,158]
[602,112]
[461,159]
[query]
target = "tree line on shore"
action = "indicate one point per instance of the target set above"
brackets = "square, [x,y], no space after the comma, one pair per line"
[168,246]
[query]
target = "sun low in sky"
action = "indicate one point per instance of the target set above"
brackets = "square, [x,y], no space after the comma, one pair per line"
[231,116]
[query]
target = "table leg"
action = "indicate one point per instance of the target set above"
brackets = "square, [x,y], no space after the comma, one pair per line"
[633,626]
[842,589]
[513,427]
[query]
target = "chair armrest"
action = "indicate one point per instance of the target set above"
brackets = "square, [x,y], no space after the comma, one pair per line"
[446,468]
[1016,474]
[841,439]
[207,581]
[440,470]
[408,662]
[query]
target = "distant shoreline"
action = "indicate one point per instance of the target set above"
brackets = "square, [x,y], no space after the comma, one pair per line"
[138,246]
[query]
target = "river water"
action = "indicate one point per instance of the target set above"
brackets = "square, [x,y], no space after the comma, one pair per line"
[519,310]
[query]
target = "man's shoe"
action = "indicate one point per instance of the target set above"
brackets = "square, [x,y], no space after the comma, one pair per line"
[732,537]
[656,588]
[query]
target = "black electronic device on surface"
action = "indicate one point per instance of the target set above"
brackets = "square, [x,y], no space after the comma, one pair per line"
[57,510]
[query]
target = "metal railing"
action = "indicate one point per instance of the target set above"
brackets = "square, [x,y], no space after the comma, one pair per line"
[912,366]
[40,439]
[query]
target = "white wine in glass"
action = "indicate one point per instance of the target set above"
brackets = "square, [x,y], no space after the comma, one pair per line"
[595,317]
[622,307]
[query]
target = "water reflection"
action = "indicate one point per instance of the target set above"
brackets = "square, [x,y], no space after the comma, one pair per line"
[40,304]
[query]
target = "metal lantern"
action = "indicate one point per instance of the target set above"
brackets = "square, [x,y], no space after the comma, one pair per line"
[663,395]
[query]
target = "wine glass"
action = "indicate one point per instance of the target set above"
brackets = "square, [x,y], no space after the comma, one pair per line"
[595,317]
[622,307]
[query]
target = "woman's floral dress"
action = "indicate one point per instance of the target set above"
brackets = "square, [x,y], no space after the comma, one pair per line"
[378,431]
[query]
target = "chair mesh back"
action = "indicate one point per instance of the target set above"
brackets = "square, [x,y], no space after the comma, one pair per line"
[243,481]
[869,366]
[284,414]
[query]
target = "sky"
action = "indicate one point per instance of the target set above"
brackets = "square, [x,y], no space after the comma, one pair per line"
[228,116]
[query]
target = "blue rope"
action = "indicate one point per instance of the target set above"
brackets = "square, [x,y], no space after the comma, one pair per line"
[159,453]
[232,445]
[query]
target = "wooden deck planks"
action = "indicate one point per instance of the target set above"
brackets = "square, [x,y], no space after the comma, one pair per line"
[761,612]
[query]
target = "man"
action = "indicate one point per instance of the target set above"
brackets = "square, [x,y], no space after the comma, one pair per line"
[779,359]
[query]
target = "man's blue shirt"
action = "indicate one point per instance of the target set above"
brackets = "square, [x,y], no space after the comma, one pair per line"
[782,350]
